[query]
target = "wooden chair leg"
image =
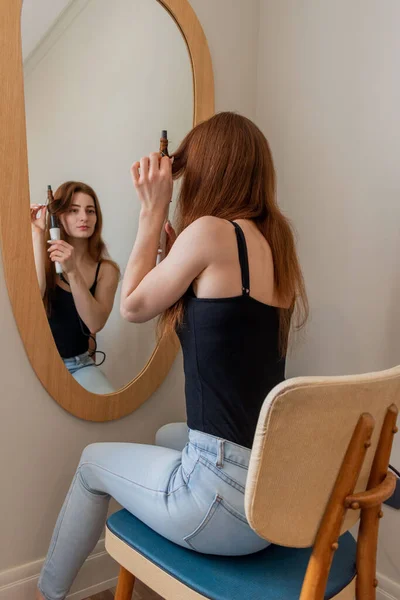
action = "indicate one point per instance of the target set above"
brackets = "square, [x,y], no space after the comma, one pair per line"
[369,523]
[126,581]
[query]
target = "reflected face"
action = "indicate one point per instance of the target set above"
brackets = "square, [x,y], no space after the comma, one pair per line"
[80,219]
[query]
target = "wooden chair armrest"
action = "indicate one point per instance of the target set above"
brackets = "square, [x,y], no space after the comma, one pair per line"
[373,497]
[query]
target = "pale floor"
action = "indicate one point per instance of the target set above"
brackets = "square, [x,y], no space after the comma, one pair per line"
[141,592]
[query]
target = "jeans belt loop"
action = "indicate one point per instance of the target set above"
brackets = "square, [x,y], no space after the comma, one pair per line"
[220,455]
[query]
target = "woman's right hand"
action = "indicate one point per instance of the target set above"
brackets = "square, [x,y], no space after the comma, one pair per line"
[38,222]
[152,178]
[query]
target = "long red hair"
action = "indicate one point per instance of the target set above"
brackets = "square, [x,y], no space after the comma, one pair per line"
[97,248]
[227,171]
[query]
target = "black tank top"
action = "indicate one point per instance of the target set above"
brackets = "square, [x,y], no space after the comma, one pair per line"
[231,359]
[69,331]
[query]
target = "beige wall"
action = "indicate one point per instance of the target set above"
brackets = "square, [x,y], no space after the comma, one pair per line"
[232,27]
[328,101]
[40,443]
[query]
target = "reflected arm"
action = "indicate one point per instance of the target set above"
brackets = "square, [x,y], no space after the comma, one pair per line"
[95,310]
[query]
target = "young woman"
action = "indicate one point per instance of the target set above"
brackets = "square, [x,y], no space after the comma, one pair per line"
[79,301]
[229,286]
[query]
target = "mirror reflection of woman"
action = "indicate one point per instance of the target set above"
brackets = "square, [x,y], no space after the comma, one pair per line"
[78,301]
[229,287]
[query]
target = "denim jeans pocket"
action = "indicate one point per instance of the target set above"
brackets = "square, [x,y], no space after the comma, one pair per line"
[224,531]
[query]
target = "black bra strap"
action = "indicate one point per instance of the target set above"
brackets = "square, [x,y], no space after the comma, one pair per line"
[63,278]
[97,273]
[243,259]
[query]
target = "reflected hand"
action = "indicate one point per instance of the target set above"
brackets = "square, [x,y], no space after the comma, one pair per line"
[171,237]
[152,178]
[63,253]
[38,222]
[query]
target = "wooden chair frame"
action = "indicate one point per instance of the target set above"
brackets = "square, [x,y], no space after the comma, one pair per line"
[380,487]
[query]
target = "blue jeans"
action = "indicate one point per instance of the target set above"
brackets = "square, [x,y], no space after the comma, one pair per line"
[193,497]
[84,370]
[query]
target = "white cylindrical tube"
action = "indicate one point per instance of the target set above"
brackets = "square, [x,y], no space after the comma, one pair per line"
[55,234]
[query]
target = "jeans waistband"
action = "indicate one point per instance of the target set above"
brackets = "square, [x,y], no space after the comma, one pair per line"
[220,448]
[80,358]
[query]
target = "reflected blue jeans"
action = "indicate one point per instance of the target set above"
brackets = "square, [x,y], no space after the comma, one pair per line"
[85,371]
[189,489]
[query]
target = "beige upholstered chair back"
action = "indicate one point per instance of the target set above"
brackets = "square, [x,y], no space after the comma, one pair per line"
[304,429]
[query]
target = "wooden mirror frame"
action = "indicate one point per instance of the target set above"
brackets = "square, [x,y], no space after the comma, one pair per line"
[15,228]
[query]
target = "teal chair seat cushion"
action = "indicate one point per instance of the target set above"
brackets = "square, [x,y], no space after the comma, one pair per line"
[275,573]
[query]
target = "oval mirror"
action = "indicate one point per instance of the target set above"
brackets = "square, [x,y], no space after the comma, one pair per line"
[102,81]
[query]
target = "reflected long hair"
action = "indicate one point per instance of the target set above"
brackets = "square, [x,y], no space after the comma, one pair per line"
[227,171]
[97,249]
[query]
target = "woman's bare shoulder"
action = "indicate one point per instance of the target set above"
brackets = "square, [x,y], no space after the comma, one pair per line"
[209,235]
[209,226]
[109,271]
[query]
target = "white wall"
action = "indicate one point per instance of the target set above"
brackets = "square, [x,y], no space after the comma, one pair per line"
[232,27]
[40,443]
[328,100]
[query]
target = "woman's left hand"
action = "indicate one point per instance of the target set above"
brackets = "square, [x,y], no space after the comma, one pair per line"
[153,183]
[63,253]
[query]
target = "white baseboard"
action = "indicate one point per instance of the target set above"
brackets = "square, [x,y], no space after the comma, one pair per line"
[99,573]
[387,588]
[381,595]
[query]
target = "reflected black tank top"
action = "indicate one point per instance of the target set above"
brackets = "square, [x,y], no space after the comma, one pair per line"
[69,331]
[231,359]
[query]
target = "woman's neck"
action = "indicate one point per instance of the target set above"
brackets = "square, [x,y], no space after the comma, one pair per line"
[81,248]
